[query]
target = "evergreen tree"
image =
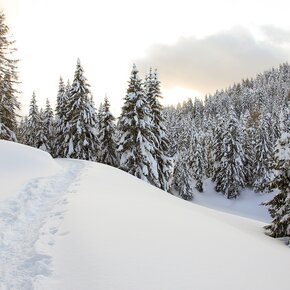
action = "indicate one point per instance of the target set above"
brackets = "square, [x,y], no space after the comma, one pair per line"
[164,163]
[198,113]
[263,154]
[217,152]
[231,175]
[59,145]
[42,139]
[182,181]
[198,165]
[100,115]
[21,130]
[248,139]
[33,124]
[8,79]
[137,142]
[107,138]
[80,134]
[170,114]
[208,148]
[48,127]
[280,205]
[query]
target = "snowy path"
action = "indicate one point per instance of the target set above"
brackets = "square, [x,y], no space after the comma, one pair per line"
[28,223]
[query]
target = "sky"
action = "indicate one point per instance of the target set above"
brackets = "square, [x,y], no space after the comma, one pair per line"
[196,46]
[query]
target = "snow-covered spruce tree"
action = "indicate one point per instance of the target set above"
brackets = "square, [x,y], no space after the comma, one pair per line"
[208,148]
[61,109]
[248,139]
[99,115]
[8,107]
[47,121]
[164,162]
[42,138]
[80,134]
[263,154]
[170,114]
[279,206]
[107,136]
[21,130]
[198,113]
[136,144]
[8,79]
[217,152]
[198,165]
[182,181]
[231,175]
[33,124]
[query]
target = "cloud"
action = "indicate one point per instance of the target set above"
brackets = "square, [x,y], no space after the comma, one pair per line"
[213,62]
[276,35]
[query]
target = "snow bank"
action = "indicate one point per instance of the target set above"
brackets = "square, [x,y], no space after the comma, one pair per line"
[121,233]
[92,227]
[19,163]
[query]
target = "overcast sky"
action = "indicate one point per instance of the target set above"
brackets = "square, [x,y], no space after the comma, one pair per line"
[197,46]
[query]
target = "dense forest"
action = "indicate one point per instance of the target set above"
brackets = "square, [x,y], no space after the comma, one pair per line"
[238,137]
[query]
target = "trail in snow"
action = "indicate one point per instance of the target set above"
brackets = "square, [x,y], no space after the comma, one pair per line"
[30,220]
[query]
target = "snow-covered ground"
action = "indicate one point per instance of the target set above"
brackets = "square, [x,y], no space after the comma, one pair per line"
[248,204]
[82,225]
[18,164]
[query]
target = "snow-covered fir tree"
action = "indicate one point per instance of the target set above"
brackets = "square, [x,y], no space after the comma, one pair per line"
[8,107]
[42,137]
[107,136]
[182,181]
[160,136]
[8,78]
[170,115]
[99,115]
[231,175]
[59,145]
[136,144]
[33,124]
[263,153]
[80,134]
[198,164]
[248,139]
[217,152]
[279,206]
[208,148]
[47,121]
[21,130]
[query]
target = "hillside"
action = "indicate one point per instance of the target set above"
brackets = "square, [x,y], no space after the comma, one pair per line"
[90,226]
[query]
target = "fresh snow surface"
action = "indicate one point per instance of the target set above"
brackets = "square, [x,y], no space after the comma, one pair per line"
[90,226]
[20,163]
[248,204]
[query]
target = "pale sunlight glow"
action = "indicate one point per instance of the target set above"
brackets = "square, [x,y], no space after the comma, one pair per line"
[109,35]
[177,95]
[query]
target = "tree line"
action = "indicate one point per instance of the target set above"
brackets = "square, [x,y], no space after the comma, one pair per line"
[137,143]
[238,137]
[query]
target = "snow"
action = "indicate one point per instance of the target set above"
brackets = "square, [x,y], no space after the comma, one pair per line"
[19,163]
[91,226]
[248,204]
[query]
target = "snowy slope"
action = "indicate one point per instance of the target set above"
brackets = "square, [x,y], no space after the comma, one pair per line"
[19,163]
[248,204]
[92,227]
[121,233]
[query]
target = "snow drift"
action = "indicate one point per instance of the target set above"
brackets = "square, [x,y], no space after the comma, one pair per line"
[91,226]
[19,163]
[124,234]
